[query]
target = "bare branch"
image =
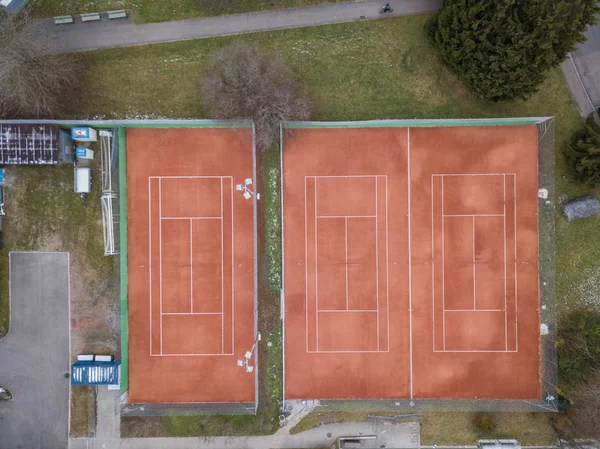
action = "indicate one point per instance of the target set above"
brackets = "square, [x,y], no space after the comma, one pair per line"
[31,79]
[241,82]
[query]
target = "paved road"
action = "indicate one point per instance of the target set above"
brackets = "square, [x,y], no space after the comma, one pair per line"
[388,435]
[586,58]
[576,87]
[582,72]
[108,34]
[34,356]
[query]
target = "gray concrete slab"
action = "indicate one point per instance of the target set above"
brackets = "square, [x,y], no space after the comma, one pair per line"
[34,355]
[586,59]
[109,34]
[108,426]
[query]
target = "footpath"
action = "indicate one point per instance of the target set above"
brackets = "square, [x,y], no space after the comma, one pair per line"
[105,33]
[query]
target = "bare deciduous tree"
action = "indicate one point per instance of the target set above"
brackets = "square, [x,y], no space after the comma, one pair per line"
[587,405]
[31,78]
[241,82]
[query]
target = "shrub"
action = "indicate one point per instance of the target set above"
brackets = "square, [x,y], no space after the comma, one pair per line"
[484,423]
[578,346]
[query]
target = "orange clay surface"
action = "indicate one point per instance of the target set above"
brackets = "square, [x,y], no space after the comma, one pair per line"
[190,265]
[411,263]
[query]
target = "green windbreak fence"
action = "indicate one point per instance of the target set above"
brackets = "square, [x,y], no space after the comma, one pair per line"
[547,294]
[123,261]
[417,123]
[547,402]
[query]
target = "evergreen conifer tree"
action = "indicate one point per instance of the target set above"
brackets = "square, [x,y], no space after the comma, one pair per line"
[583,155]
[503,48]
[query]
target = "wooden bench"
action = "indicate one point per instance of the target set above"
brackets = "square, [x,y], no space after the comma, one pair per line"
[119,14]
[90,17]
[63,20]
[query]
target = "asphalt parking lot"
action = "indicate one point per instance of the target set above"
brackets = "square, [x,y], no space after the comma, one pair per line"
[34,356]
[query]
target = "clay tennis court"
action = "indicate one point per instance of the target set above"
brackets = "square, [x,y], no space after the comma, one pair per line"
[190,265]
[411,262]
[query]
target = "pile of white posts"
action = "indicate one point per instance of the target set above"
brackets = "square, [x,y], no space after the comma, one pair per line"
[110,195]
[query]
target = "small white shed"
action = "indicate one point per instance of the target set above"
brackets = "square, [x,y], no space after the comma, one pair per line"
[83,180]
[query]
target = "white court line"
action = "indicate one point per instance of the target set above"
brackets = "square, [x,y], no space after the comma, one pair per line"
[515,238]
[346,311]
[346,216]
[409,271]
[150,253]
[190,354]
[222,275]
[191,270]
[505,310]
[505,313]
[316,273]
[346,242]
[161,218]
[476,350]
[471,174]
[306,259]
[473,215]
[443,276]
[193,313]
[190,218]
[350,351]
[377,255]
[471,310]
[387,267]
[190,177]
[349,176]
[160,258]
[474,285]
[232,272]
[433,263]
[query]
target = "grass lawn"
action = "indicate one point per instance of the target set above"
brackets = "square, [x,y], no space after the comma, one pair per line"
[456,428]
[80,402]
[159,11]
[356,71]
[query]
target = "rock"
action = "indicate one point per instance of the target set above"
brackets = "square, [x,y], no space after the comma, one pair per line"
[581,207]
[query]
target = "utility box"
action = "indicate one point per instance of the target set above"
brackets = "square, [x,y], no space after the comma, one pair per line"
[83,180]
[84,153]
[84,134]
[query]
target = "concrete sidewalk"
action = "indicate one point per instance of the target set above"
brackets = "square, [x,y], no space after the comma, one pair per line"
[108,34]
[404,435]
